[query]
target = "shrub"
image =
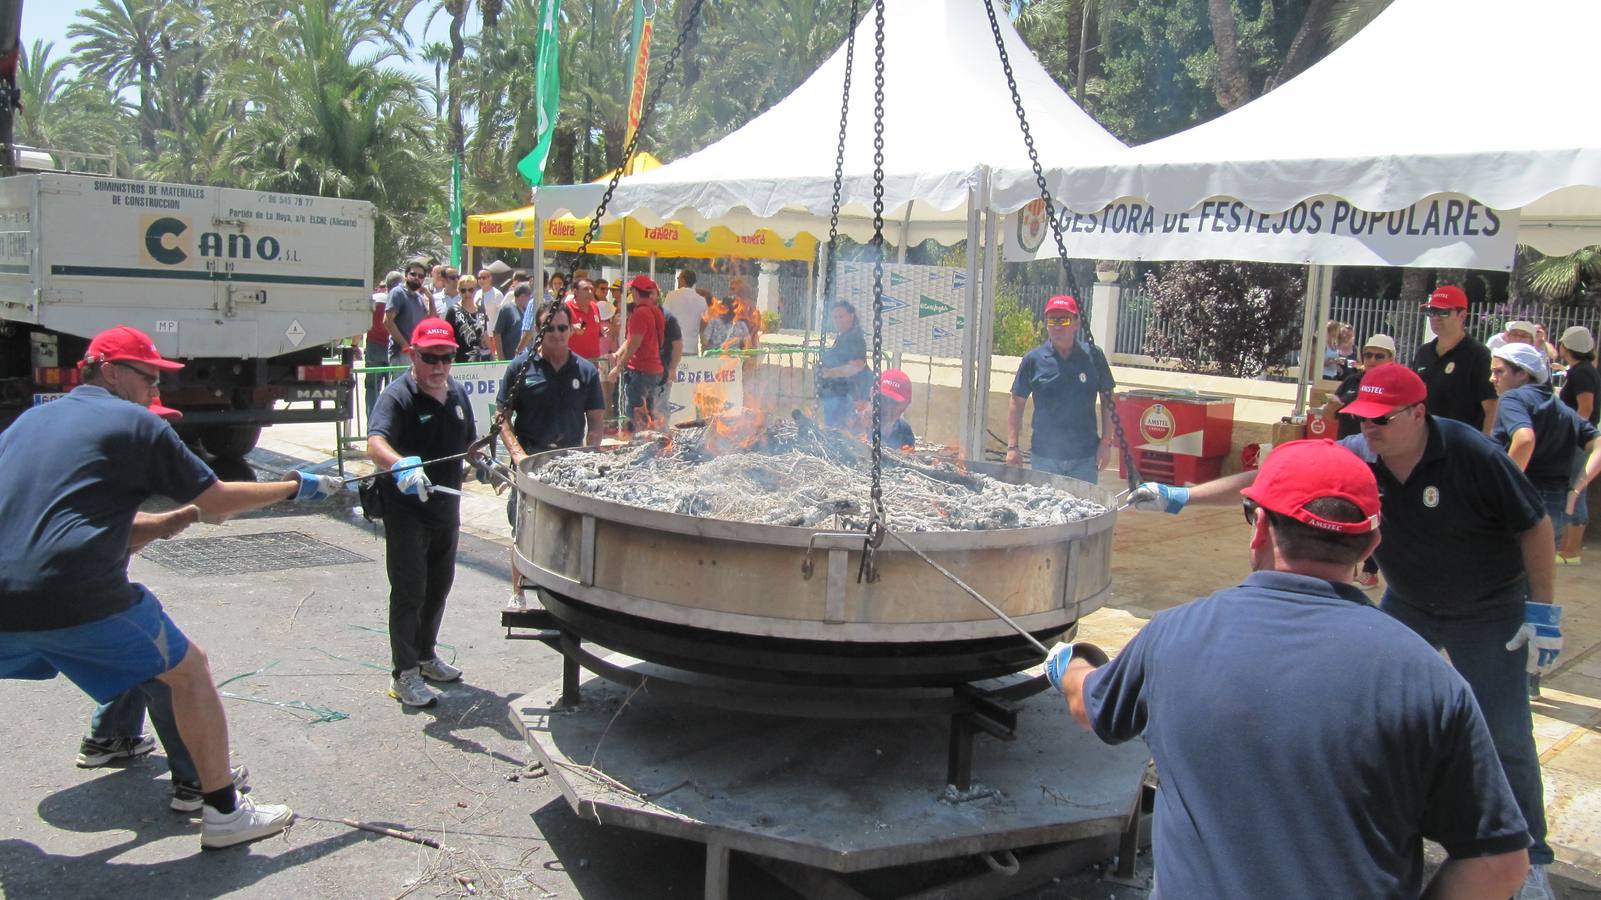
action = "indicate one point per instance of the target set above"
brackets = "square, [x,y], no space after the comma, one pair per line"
[1017,330]
[1226,318]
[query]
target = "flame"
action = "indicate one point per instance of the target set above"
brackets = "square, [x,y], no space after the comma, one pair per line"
[734,431]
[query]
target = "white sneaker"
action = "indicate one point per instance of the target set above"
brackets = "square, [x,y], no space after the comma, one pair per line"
[1537,886]
[410,690]
[438,670]
[248,822]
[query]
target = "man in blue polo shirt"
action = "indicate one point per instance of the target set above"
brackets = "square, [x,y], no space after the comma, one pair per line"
[1467,557]
[1065,377]
[408,304]
[559,401]
[1539,432]
[79,468]
[1307,743]
[423,415]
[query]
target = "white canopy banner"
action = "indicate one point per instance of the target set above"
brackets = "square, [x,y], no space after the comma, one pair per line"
[1441,231]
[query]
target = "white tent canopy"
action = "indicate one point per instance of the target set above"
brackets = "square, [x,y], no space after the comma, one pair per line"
[1481,98]
[948,117]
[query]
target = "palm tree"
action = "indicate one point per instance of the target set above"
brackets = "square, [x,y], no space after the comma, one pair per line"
[437,53]
[1559,277]
[1350,16]
[119,41]
[60,113]
[335,119]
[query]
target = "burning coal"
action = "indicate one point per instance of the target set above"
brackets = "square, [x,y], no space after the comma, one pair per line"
[792,472]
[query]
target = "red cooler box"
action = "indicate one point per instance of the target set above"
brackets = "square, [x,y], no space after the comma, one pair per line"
[1177,437]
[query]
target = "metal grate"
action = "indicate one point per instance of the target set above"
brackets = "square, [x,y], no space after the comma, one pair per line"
[270,551]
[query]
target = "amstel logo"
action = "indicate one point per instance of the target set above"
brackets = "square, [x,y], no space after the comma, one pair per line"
[1156,424]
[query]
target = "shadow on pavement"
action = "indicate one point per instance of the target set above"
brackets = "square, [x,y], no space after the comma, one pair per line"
[127,801]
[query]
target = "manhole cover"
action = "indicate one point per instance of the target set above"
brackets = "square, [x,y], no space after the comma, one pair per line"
[267,552]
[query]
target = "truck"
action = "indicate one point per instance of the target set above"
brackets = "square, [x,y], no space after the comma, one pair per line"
[249,289]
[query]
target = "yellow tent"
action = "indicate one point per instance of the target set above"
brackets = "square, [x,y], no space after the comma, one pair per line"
[514,229]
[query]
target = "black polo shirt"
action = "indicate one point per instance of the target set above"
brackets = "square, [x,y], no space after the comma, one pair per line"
[1458,382]
[1307,742]
[416,424]
[1064,389]
[1582,379]
[552,405]
[1558,433]
[1451,534]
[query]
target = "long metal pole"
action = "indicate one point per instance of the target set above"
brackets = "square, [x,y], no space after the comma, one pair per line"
[972,593]
[968,434]
[986,311]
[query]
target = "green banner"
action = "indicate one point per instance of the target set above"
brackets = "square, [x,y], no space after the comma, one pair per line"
[547,73]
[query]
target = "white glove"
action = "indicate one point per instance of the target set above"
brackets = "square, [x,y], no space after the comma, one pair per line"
[1153,496]
[410,477]
[317,487]
[1056,662]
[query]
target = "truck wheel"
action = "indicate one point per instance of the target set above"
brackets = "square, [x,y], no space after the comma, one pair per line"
[229,441]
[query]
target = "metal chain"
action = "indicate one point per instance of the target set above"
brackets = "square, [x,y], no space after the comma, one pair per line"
[839,184]
[1107,405]
[514,380]
[875,525]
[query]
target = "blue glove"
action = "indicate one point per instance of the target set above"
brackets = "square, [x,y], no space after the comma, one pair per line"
[1542,631]
[315,487]
[1061,655]
[1153,496]
[410,477]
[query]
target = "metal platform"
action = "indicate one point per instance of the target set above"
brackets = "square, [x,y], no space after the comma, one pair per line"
[831,795]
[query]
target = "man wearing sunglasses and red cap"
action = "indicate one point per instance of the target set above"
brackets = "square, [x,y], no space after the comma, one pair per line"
[1454,367]
[423,415]
[1065,376]
[82,465]
[1466,559]
[1307,742]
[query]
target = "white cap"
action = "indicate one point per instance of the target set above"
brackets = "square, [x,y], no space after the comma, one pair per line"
[607,310]
[1578,339]
[1382,342]
[1528,328]
[1525,357]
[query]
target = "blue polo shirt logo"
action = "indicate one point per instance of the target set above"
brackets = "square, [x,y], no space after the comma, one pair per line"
[1450,367]
[1431,496]
[424,417]
[1083,379]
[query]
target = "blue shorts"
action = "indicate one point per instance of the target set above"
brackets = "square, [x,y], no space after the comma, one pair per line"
[106,657]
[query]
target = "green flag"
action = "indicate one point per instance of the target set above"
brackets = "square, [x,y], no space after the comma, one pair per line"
[456,220]
[547,73]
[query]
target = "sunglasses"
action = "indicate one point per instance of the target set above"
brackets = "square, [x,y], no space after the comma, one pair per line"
[1376,357]
[1384,420]
[436,359]
[1434,312]
[1250,506]
[1061,321]
[561,328]
[151,378]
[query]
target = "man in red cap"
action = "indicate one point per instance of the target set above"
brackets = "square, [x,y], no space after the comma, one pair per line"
[1466,559]
[1307,742]
[423,415]
[1455,368]
[82,466]
[896,390]
[1065,377]
[640,357]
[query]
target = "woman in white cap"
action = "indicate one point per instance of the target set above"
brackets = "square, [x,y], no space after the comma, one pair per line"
[1537,430]
[1580,392]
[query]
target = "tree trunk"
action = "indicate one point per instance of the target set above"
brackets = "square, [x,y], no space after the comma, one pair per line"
[563,147]
[458,49]
[1304,45]
[1232,89]
[147,110]
[1414,285]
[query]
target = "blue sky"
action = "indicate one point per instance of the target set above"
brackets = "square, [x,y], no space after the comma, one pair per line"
[49,19]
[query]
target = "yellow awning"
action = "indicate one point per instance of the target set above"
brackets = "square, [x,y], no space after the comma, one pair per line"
[514,229]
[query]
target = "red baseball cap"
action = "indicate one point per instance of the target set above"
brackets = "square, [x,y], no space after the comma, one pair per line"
[1447,296]
[895,385]
[166,412]
[1297,473]
[433,332]
[644,283]
[124,344]
[1385,389]
[1062,304]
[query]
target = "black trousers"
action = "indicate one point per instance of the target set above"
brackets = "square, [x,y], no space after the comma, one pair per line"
[421,558]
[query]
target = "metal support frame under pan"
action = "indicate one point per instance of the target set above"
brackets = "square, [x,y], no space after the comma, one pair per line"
[989,706]
[787,660]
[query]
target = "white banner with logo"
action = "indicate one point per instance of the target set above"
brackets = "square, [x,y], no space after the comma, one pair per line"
[922,305]
[706,385]
[1444,230]
[482,383]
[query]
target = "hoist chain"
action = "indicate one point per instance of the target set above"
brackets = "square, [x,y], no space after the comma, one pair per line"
[875,525]
[839,179]
[1107,406]
[514,381]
